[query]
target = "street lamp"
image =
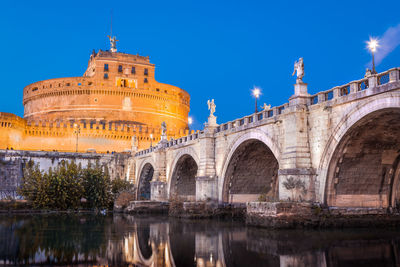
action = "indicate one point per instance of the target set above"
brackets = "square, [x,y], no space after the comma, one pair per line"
[256,93]
[372,45]
[190,121]
[77,131]
[151,140]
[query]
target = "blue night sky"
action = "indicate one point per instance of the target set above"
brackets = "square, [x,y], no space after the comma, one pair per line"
[212,49]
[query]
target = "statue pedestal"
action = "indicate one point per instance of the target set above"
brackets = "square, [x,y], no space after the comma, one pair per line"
[300,94]
[300,89]
[212,121]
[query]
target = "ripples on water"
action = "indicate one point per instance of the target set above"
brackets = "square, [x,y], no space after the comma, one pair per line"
[122,240]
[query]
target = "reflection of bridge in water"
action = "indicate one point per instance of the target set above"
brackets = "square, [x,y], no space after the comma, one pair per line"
[162,242]
[182,243]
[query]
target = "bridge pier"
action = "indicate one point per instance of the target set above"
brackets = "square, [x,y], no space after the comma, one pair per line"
[206,180]
[159,185]
[159,191]
[296,175]
[296,184]
[206,188]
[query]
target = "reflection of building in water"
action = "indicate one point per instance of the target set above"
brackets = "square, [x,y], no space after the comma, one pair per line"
[209,250]
[125,240]
[146,246]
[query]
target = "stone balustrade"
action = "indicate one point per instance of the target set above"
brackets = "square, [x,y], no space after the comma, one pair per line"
[272,115]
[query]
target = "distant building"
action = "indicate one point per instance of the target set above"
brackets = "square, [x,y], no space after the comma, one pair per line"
[116,99]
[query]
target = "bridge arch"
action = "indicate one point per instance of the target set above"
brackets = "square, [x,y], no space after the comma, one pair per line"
[360,164]
[145,172]
[250,168]
[183,173]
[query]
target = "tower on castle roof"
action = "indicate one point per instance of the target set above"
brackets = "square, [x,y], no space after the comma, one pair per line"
[113,43]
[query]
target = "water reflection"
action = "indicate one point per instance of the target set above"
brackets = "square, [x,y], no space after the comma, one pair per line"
[158,241]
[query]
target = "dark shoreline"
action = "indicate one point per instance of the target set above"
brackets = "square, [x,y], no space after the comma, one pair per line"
[323,219]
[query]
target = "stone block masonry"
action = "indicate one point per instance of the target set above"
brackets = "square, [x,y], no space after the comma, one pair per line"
[13,161]
[339,147]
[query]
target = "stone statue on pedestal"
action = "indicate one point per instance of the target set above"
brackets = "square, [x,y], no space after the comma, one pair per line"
[211,107]
[113,42]
[368,73]
[299,68]
[163,131]
[134,146]
[300,88]
[266,107]
[212,120]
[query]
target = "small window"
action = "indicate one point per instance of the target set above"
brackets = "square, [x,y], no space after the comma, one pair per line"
[105,75]
[314,100]
[260,116]
[329,95]
[270,113]
[145,80]
[119,68]
[34,89]
[105,67]
[363,85]
[67,84]
[146,72]
[280,110]
[345,90]
[133,70]
[157,89]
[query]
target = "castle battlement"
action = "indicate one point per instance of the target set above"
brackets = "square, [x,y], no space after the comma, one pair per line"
[116,99]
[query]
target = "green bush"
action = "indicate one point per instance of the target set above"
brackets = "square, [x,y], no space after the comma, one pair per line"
[119,185]
[97,187]
[64,187]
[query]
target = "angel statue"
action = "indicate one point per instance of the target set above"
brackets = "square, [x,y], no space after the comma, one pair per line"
[211,107]
[266,107]
[299,67]
[134,146]
[164,128]
[113,42]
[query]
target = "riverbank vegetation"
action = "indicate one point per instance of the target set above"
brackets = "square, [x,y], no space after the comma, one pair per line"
[70,187]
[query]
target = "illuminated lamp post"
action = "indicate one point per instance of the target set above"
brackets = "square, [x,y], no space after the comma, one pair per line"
[256,93]
[190,121]
[372,45]
[77,131]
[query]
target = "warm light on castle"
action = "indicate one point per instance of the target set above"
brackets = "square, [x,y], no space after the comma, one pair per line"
[115,100]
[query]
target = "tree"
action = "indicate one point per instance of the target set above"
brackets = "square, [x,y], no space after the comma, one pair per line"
[97,187]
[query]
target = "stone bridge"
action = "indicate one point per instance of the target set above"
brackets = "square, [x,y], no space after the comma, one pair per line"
[340,147]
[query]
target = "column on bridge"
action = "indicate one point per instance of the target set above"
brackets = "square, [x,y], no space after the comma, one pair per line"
[296,175]
[159,188]
[206,180]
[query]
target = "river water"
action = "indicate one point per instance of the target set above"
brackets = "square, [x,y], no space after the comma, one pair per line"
[124,240]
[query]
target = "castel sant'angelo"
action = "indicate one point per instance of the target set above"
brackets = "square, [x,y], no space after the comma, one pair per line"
[115,105]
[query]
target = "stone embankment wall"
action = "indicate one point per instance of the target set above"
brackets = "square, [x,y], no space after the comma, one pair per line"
[12,163]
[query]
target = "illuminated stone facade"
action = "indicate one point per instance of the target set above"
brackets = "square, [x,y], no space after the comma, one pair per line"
[117,98]
[339,147]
